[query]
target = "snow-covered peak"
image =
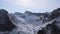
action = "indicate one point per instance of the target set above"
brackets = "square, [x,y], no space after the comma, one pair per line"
[28,12]
[32,23]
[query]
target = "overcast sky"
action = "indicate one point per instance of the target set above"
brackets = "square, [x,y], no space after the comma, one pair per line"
[30,5]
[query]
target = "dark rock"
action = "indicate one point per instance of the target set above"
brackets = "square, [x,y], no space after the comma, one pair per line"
[51,26]
[51,29]
[28,12]
[38,14]
[55,13]
[47,14]
[5,22]
[20,14]
[41,32]
[17,13]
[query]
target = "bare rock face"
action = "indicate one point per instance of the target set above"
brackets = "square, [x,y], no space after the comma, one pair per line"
[5,22]
[49,29]
[53,28]
[41,32]
[55,13]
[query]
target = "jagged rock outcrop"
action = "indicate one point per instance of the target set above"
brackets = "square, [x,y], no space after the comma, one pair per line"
[55,13]
[53,28]
[5,22]
[49,29]
[41,32]
[28,12]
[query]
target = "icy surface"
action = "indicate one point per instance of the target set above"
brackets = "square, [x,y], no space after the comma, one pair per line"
[28,27]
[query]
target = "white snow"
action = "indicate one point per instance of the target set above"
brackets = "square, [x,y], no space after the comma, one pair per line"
[28,25]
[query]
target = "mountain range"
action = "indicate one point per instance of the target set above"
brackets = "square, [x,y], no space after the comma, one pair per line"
[30,23]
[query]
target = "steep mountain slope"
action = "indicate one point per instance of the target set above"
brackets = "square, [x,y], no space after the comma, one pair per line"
[53,28]
[35,21]
[5,23]
[30,23]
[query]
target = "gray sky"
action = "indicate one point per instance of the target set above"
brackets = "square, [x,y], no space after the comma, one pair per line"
[30,5]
